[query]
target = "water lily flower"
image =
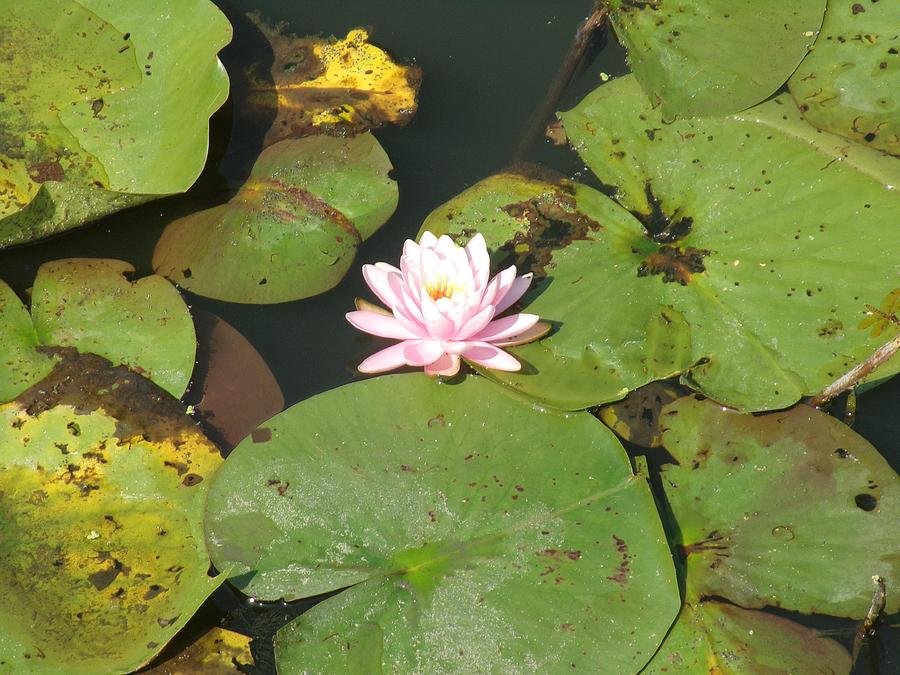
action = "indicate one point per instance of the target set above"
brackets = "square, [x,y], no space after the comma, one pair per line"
[443,307]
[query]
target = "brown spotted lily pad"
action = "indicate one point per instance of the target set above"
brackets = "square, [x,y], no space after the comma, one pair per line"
[105,105]
[469,510]
[850,83]
[216,652]
[291,231]
[720,228]
[103,480]
[329,85]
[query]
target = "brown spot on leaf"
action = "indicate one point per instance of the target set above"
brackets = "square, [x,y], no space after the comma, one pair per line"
[676,264]
[43,172]
[261,435]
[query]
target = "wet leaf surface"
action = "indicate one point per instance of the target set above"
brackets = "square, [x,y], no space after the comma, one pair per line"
[722,639]
[850,83]
[110,106]
[102,485]
[291,231]
[216,651]
[329,85]
[236,389]
[89,304]
[789,509]
[468,510]
[714,57]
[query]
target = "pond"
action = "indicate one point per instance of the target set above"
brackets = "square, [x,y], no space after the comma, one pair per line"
[492,74]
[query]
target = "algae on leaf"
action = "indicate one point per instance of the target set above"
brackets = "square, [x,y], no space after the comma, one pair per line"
[469,510]
[108,106]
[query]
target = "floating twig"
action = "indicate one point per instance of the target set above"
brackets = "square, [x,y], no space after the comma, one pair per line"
[853,376]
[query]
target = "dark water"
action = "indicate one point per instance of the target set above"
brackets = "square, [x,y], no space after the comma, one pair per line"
[487,67]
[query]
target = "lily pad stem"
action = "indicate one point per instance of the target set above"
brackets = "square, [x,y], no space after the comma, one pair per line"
[853,376]
[873,617]
[596,21]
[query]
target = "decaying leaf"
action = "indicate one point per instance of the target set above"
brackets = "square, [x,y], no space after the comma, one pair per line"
[333,86]
[215,652]
[103,481]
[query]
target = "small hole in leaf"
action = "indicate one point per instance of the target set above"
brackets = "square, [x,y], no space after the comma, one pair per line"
[866,502]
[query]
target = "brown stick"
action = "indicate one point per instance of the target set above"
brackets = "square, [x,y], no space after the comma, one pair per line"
[873,617]
[594,22]
[853,376]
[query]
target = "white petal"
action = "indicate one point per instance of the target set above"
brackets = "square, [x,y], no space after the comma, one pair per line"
[506,327]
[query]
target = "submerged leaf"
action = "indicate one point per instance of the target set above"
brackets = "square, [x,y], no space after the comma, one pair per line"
[292,230]
[333,86]
[110,107]
[215,652]
[714,57]
[477,533]
[850,83]
[102,486]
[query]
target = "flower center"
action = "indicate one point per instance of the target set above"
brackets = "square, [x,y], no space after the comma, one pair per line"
[441,287]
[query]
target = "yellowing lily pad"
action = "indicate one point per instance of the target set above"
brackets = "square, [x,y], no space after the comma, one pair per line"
[105,105]
[292,230]
[216,652]
[102,485]
[850,83]
[336,86]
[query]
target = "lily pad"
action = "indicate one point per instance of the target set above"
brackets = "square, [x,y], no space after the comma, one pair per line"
[292,230]
[735,223]
[110,107]
[790,509]
[89,304]
[850,83]
[329,85]
[719,638]
[453,511]
[22,363]
[714,57]
[102,485]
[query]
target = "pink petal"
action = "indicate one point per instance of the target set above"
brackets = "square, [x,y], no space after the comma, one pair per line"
[445,246]
[476,324]
[506,327]
[516,291]
[437,324]
[427,240]
[447,365]
[499,286]
[489,356]
[386,359]
[422,352]
[380,325]
[379,280]
[536,332]
[479,260]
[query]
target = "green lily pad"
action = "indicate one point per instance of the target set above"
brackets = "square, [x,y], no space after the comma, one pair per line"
[292,230]
[110,108]
[722,639]
[477,533]
[22,364]
[90,305]
[714,57]
[850,83]
[102,485]
[790,509]
[735,223]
